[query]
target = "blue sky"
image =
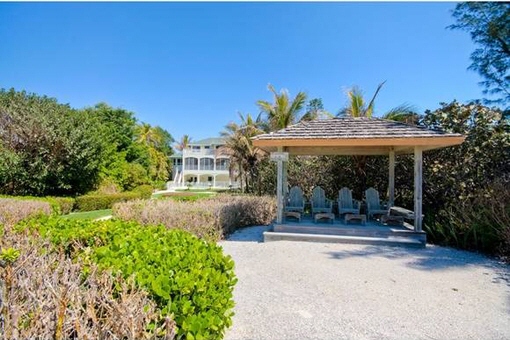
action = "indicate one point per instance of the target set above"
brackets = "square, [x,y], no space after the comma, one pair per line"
[190,67]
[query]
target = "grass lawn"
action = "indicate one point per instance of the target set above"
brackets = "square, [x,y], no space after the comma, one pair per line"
[184,195]
[89,215]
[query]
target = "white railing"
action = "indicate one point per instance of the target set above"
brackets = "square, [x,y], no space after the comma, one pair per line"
[201,152]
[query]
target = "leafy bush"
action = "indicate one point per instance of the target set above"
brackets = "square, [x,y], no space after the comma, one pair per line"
[187,278]
[47,296]
[98,202]
[145,191]
[61,205]
[481,222]
[14,210]
[208,218]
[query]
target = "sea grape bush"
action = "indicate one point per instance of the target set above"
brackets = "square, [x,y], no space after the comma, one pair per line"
[210,218]
[47,296]
[188,279]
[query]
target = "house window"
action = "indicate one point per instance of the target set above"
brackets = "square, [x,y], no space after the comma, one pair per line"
[222,164]
[206,164]
[191,164]
[209,179]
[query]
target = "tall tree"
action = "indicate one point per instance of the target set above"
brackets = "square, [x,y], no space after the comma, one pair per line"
[357,106]
[315,110]
[489,26]
[244,156]
[183,143]
[283,111]
[47,148]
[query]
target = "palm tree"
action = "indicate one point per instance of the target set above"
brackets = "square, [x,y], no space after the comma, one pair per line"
[357,106]
[404,113]
[283,111]
[149,136]
[243,155]
[183,143]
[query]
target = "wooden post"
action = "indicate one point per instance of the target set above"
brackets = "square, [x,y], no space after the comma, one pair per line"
[391,180]
[279,190]
[417,188]
[285,185]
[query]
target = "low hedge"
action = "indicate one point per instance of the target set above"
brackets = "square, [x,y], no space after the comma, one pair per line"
[187,278]
[208,218]
[100,201]
[59,205]
[145,191]
[14,210]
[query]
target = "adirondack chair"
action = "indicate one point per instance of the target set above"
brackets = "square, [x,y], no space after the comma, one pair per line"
[346,205]
[295,200]
[374,206]
[320,204]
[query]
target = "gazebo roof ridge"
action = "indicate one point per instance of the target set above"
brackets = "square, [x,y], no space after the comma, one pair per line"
[353,127]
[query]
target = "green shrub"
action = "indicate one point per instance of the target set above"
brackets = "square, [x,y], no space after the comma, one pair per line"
[61,205]
[187,278]
[14,210]
[144,190]
[209,218]
[99,202]
[99,305]
[480,222]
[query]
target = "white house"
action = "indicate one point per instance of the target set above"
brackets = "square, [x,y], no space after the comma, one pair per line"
[202,165]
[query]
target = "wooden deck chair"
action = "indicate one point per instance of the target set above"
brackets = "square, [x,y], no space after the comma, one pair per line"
[295,200]
[374,206]
[346,205]
[320,204]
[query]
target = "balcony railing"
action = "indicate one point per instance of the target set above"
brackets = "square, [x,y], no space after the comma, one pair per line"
[201,152]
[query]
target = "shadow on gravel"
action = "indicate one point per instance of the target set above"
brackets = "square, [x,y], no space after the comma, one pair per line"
[248,234]
[430,258]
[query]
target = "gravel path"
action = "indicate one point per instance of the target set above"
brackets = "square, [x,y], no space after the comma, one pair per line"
[301,290]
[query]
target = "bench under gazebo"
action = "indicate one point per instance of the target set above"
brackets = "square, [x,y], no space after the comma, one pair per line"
[353,136]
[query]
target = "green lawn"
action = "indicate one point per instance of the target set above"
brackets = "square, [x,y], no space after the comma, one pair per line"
[184,195]
[89,215]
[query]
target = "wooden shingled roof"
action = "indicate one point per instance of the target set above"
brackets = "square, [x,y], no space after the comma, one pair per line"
[351,136]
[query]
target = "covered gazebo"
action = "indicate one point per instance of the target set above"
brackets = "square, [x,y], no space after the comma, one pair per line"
[355,136]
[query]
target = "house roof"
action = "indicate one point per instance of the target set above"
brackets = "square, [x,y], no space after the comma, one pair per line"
[348,136]
[209,141]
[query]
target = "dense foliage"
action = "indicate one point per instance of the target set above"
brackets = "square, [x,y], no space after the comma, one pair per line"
[489,27]
[188,279]
[46,294]
[47,148]
[466,188]
[208,218]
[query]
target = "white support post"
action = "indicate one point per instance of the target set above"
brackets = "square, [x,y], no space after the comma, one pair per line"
[279,190]
[285,188]
[418,188]
[391,180]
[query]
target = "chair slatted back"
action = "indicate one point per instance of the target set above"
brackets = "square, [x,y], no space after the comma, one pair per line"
[345,198]
[372,197]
